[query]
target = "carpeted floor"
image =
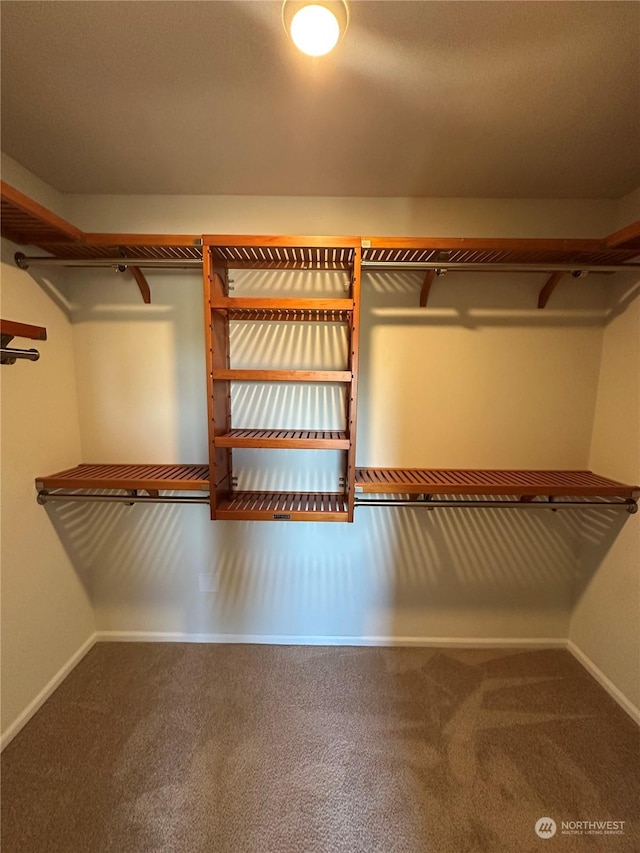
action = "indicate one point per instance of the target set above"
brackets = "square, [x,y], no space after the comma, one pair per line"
[272,749]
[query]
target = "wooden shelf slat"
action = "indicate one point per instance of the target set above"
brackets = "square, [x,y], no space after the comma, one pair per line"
[444,481]
[282,375]
[283,506]
[144,477]
[285,439]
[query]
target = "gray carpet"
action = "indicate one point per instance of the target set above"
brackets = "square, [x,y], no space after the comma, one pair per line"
[266,749]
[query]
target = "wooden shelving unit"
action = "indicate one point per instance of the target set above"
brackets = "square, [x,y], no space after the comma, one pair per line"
[283,253]
[26,222]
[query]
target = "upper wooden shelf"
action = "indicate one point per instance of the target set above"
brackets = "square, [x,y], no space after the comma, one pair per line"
[129,477]
[28,223]
[440,481]
[239,251]
[616,249]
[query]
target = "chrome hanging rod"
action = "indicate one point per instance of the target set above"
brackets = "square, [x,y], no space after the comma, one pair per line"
[9,355]
[120,264]
[496,267]
[45,497]
[629,504]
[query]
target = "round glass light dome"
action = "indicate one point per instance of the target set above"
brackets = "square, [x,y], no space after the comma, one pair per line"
[315,30]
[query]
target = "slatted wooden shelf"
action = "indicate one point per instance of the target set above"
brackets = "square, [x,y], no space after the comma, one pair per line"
[282,375]
[28,223]
[285,439]
[287,315]
[498,251]
[129,477]
[150,246]
[284,506]
[271,252]
[413,481]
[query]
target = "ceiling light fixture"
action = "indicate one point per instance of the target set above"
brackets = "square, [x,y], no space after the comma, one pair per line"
[315,28]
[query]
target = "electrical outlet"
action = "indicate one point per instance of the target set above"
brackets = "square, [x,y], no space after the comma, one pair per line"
[208,581]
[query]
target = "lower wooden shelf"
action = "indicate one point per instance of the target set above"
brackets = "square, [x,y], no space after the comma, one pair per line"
[184,478]
[441,481]
[283,506]
[287,439]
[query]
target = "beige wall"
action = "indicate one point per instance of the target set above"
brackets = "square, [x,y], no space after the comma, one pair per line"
[606,621]
[481,378]
[360,216]
[46,610]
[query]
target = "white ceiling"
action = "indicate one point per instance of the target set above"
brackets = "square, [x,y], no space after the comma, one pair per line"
[493,99]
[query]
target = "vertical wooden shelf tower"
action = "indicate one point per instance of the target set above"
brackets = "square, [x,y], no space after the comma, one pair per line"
[220,254]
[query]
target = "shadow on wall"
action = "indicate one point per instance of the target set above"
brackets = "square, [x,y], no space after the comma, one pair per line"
[496,558]
[144,567]
[99,538]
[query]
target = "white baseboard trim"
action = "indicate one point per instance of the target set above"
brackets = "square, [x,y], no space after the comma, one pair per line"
[632,710]
[46,691]
[306,640]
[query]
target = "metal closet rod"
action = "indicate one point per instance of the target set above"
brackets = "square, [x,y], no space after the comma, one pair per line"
[45,497]
[629,504]
[25,262]
[491,267]
[9,355]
